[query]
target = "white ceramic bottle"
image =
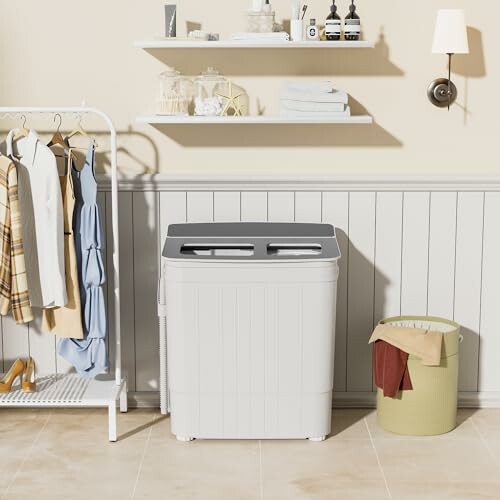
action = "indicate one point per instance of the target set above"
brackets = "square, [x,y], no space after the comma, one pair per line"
[313,31]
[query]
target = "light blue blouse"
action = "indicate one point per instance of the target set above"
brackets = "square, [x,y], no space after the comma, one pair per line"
[88,356]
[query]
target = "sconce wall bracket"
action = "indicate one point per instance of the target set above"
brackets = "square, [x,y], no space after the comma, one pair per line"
[438,92]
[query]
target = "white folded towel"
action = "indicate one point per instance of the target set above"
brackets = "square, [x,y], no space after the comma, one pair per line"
[337,96]
[280,36]
[313,87]
[318,114]
[305,106]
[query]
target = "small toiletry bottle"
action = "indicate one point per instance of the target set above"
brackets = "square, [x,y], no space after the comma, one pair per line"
[333,25]
[313,31]
[267,6]
[171,20]
[352,28]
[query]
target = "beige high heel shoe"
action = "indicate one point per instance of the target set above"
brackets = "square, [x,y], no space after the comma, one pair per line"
[16,370]
[28,383]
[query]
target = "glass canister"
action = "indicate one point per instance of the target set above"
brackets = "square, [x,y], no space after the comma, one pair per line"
[206,100]
[175,93]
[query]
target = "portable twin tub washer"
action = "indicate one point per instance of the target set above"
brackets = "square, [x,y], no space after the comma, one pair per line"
[250,315]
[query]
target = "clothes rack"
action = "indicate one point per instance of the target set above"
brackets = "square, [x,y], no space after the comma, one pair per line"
[70,390]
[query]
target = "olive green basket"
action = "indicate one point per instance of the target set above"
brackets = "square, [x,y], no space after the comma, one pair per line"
[431,407]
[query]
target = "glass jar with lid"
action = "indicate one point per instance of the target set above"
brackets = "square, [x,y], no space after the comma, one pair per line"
[206,101]
[175,93]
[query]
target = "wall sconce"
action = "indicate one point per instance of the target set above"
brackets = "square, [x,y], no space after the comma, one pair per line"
[450,37]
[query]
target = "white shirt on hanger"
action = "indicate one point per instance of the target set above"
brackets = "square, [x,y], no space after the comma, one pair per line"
[40,203]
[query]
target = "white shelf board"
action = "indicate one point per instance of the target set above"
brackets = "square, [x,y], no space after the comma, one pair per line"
[251,120]
[234,44]
[64,391]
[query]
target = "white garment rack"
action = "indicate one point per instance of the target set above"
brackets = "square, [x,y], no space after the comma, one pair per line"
[72,390]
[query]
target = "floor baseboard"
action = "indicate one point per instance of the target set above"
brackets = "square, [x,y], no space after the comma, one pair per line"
[343,400]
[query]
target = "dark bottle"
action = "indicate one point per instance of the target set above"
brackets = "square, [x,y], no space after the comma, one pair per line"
[333,25]
[352,28]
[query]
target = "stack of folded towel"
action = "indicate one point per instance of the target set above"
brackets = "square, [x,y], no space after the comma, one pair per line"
[279,36]
[314,99]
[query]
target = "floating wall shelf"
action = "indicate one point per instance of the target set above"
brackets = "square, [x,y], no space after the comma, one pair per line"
[252,120]
[232,44]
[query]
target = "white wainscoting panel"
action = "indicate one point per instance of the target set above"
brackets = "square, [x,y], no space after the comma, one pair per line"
[146,266]
[360,290]
[468,283]
[415,255]
[442,239]
[489,327]
[336,212]
[429,251]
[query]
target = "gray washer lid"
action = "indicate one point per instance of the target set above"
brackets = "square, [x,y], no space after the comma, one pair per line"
[251,230]
[248,241]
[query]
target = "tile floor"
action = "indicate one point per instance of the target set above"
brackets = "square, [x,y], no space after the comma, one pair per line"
[64,454]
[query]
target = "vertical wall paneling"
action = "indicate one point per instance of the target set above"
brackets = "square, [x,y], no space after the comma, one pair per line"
[336,212]
[42,346]
[173,210]
[388,240]
[281,206]
[146,246]
[254,206]
[125,221]
[308,207]
[15,341]
[200,206]
[227,206]
[489,347]
[360,290]
[412,253]
[415,256]
[468,271]
[442,238]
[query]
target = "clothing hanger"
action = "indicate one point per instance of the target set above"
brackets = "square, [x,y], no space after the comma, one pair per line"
[22,132]
[80,131]
[57,138]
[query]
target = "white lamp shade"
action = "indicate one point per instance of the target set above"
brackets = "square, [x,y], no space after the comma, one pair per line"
[450,36]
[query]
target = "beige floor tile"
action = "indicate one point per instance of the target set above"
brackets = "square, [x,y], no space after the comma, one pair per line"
[442,490]
[488,422]
[435,459]
[200,470]
[74,425]
[464,430]
[493,446]
[301,469]
[324,488]
[21,415]
[90,469]
[73,449]
[17,434]
[348,424]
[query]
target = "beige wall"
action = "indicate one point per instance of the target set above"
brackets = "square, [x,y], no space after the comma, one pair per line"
[63,51]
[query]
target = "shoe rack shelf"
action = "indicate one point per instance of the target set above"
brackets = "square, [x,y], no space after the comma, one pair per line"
[71,390]
[165,44]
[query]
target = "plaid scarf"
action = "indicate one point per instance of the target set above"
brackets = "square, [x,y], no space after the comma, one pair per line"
[13,282]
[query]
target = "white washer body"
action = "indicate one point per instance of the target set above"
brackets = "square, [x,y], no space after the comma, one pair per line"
[251,347]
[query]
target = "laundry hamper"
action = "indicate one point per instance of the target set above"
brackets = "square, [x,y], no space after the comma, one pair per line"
[250,313]
[431,407]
